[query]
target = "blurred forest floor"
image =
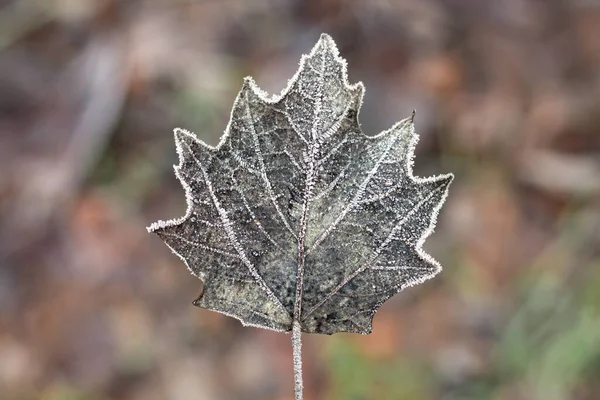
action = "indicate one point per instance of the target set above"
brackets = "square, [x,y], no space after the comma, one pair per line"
[507,95]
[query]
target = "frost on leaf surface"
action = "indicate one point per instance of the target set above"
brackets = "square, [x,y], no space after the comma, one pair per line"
[297,214]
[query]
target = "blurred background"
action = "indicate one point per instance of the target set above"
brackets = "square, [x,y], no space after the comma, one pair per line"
[507,95]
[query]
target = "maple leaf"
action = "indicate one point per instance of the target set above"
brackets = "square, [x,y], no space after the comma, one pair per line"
[297,216]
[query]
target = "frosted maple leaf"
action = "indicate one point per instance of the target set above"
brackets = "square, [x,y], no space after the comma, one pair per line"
[297,218]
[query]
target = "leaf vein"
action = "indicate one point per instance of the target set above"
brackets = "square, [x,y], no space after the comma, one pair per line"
[227,225]
[376,253]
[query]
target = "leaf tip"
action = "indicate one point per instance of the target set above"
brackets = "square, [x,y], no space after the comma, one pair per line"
[248,83]
[325,37]
[327,43]
[197,301]
[181,135]
[250,87]
[155,226]
[445,180]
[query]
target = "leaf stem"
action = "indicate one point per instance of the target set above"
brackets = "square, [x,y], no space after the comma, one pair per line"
[297,349]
